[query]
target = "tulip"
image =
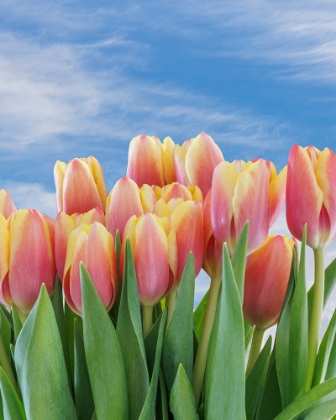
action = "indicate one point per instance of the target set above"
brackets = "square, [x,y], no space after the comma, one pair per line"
[93,245]
[26,259]
[80,185]
[150,161]
[310,196]
[245,191]
[126,200]
[6,204]
[311,201]
[266,280]
[64,225]
[196,160]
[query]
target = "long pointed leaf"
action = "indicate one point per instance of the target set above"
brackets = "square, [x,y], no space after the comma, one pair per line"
[238,260]
[12,406]
[182,400]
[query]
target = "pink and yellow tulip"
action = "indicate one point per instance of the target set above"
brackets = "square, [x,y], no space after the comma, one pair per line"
[196,160]
[150,161]
[64,225]
[94,246]
[311,195]
[80,185]
[245,191]
[126,200]
[266,279]
[26,258]
[6,204]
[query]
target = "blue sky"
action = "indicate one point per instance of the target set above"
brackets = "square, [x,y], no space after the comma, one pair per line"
[84,77]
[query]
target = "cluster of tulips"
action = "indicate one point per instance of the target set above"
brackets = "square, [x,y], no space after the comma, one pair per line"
[120,271]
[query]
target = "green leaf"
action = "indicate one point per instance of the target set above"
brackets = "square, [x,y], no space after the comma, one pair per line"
[256,379]
[307,400]
[130,336]
[324,352]
[41,367]
[238,260]
[69,317]
[115,308]
[199,315]
[182,400]
[270,400]
[329,284]
[82,388]
[292,338]
[148,411]
[17,324]
[178,339]
[225,381]
[324,409]
[331,368]
[12,406]
[103,354]
[6,332]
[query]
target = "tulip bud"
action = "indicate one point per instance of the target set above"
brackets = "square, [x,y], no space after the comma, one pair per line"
[80,185]
[151,262]
[64,225]
[93,245]
[196,160]
[6,204]
[266,279]
[245,191]
[310,195]
[26,258]
[126,200]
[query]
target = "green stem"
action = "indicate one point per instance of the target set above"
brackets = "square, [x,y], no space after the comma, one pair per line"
[255,348]
[203,345]
[316,315]
[5,363]
[147,319]
[170,302]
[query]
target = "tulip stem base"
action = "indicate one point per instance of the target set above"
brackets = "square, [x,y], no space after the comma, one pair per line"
[316,315]
[203,345]
[170,303]
[147,319]
[5,363]
[258,336]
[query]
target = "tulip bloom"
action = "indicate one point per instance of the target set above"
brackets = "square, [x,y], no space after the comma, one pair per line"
[6,204]
[245,191]
[80,185]
[93,245]
[151,259]
[26,258]
[311,195]
[64,225]
[196,160]
[266,279]
[126,200]
[150,161]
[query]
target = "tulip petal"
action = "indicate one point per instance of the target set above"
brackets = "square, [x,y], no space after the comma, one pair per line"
[64,225]
[251,193]
[277,194]
[167,160]
[98,176]
[4,247]
[31,259]
[304,197]
[59,173]
[175,190]
[80,193]
[201,159]
[179,158]
[6,204]
[145,161]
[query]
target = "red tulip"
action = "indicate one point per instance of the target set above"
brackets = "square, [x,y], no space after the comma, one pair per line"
[26,258]
[80,185]
[266,279]
[93,245]
[6,204]
[64,225]
[311,195]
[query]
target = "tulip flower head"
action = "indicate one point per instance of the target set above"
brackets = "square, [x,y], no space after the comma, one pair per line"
[26,258]
[266,279]
[245,191]
[311,195]
[64,225]
[6,204]
[80,185]
[94,246]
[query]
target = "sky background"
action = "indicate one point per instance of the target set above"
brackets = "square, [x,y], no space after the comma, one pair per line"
[80,78]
